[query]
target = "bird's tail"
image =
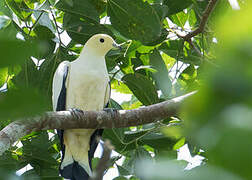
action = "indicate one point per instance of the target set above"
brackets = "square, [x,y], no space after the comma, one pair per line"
[74,169]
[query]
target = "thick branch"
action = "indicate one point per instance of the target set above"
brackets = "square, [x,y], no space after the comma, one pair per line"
[89,120]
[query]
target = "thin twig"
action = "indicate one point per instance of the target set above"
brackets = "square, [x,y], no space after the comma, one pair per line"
[199,53]
[57,51]
[56,25]
[194,47]
[114,74]
[36,22]
[103,164]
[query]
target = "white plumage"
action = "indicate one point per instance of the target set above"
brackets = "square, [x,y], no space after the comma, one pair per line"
[87,88]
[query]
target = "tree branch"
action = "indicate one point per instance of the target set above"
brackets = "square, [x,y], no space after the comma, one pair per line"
[89,120]
[203,21]
[200,29]
[103,164]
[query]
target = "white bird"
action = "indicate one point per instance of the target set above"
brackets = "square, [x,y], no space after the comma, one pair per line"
[82,84]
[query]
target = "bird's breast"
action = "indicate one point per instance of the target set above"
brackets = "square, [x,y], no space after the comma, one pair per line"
[87,91]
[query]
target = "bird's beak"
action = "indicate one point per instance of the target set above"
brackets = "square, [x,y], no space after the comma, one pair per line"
[116,46]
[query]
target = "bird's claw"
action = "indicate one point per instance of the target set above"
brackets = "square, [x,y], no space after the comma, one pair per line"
[111,111]
[76,112]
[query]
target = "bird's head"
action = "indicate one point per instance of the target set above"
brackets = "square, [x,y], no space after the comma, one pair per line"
[100,44]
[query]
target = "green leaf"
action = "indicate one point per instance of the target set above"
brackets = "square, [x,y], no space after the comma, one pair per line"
[123,171]
[133,103]
[30,174]
[163,36]
[111,61]
[192,18]
[9,32]
[120,87]
[161,10]
[141,153]
[44,41]
[114,104]
[120,177]
[142,88]
[172,48]
[80,29]
[114,137]
[7,162]
[68,53]
[80,8]
[191,56]
[14,51]
[4,10]
[169,61]
[138,65]
[161,77]
[45,76]
[21,103]
[43,32]
[4,22]
[134,178]
[42,156]
[3,75]
[19,8]
[127,17]
[179,144]
[172,170]
[179,18]
[176,6]
[44,19]
[100,5]
[119,132]
[134,45]
[50,174]
[44,174]
[158,141]
[133,135]
[133,157]
[188,75]
[29,136]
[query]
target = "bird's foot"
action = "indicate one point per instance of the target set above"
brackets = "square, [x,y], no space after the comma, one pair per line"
[111,111]
[76,112]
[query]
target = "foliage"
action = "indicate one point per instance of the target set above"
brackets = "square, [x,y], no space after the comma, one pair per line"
[155,65]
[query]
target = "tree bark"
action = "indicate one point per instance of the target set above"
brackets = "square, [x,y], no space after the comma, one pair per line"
[89,120]
[203,21]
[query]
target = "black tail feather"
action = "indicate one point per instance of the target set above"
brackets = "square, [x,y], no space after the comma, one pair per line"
[79,173]
[67,172]
[74,171]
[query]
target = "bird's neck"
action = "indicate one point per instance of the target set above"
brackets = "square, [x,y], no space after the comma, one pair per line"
[90,59]
[90,51]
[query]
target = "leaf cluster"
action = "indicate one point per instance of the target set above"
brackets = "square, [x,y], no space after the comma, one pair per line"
[156,64]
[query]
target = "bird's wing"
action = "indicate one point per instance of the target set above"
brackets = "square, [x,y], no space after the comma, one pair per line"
[59,86]
[59,97]
[107,95]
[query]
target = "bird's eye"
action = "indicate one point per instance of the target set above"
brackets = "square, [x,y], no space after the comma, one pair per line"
[102,40]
